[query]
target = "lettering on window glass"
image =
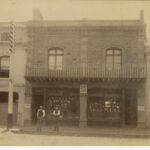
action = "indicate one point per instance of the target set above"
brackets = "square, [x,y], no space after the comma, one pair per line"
[112,106]
[109,106]
[68,105]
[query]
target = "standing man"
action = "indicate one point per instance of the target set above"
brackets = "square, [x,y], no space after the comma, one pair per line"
[40,117]
[56,114]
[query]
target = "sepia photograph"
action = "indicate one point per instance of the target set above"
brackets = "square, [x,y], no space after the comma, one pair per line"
[74,73]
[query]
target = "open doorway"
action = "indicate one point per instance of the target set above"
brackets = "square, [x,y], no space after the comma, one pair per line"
[131,108]
[4,108]
[37,101]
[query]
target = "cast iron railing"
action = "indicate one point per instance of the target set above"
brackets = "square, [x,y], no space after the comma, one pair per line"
[126,71]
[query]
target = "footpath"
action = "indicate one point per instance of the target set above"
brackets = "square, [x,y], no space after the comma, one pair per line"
[88,131]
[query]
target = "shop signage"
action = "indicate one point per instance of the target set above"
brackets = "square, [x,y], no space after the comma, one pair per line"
[83,88]
[141,108]
[27,105]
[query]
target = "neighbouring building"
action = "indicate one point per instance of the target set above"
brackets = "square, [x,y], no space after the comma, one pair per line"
[96,71]
[18,69]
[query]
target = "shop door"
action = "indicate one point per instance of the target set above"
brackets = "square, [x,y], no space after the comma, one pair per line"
[38,100]
[130,109]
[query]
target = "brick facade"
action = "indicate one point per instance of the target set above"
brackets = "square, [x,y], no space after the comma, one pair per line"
[84,45]
[129,38]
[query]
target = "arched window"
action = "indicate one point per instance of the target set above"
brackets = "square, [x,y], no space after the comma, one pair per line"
[113,58]
[55,59]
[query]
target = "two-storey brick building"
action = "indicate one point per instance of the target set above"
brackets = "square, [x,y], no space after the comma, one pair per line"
[95,71]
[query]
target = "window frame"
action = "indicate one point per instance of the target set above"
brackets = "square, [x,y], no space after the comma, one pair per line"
[113,55]
[1,57]
[4,72]
[55,55]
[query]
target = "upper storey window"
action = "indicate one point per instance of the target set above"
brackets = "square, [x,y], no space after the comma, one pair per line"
[55,59]
[4,66]
[5,36]
[113,58]
[4,62]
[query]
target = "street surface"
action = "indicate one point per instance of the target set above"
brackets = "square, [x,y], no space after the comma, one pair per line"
[14,139]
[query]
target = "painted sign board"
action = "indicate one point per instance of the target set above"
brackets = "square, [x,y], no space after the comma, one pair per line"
[83,89]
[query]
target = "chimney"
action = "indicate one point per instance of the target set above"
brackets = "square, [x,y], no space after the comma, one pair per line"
[37,16]
[142,16]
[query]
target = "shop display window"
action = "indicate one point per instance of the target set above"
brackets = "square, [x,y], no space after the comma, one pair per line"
[69,106]
[112,105]
[104,108]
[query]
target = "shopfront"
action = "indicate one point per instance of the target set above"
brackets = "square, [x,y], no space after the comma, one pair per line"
[112,107]
[66,99]
[105,106]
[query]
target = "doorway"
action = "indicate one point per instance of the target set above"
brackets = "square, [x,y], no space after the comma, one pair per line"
[4,108]
[37,101]
[131,108]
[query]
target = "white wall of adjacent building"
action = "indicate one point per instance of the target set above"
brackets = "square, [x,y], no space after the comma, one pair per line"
[19,71]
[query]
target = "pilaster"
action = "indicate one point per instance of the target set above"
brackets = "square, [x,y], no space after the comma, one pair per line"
[83,106]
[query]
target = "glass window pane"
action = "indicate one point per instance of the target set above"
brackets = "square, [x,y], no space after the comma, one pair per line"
[59,52]
[117,52]
[59,62]
[52,52]
[109,60]
[117,66]
[109,63]
[109,52]
[59,59]
[117,59]
[51,62]
[4,62]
